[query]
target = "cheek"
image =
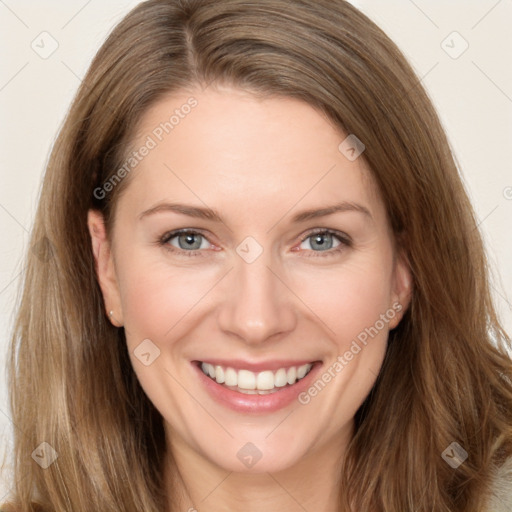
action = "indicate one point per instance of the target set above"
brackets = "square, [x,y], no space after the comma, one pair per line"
[349,298]
[359,303]
[157,299]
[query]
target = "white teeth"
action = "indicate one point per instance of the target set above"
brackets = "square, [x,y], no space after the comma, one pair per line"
[231,377]
[246,379]
[301,371]
[280,379]
[291,375]
[256,383]
[264,380]
[219,374]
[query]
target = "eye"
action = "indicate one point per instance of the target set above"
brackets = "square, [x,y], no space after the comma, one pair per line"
[185,241]
[325,241]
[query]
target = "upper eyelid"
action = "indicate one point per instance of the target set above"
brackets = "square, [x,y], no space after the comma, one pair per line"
[173,234]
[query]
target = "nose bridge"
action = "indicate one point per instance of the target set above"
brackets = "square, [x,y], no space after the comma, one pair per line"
[256,305]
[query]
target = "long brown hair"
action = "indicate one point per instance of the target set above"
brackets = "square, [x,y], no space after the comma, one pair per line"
[446,374]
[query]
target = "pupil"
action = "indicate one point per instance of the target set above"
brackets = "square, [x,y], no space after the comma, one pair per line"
[189,240]
[320,240]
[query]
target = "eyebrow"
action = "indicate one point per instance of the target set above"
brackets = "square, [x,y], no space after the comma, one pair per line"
[212,215]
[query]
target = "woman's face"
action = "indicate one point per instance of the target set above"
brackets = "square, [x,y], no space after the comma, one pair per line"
[267,279]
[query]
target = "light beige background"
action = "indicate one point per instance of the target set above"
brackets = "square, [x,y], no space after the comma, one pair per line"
[473,94]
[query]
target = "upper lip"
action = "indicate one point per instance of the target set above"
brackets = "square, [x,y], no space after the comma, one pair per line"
[240,364]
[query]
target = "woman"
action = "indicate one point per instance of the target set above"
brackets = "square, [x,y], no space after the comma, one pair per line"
[257,280]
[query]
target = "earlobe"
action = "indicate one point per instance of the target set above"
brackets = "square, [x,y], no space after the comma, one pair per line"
[402,289]
[105,270]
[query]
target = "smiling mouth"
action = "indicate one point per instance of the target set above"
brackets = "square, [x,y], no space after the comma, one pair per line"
[255,383]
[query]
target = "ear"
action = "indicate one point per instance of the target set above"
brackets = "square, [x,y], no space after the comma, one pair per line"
[104,264]
[402,288]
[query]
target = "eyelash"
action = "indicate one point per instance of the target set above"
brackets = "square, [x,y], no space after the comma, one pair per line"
[342,238]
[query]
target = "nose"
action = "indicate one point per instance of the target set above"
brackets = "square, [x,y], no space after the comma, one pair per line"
[257,304]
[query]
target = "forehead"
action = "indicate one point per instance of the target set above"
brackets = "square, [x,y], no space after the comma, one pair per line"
[224,143]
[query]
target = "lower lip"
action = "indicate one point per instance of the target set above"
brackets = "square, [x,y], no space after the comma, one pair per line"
[258,404]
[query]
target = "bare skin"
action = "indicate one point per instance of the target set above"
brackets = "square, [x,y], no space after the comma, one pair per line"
[257,163]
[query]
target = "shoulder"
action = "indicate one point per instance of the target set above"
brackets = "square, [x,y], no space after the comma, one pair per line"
[501,495]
